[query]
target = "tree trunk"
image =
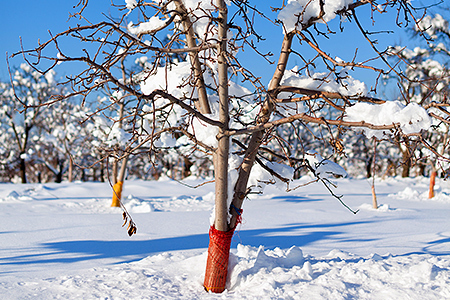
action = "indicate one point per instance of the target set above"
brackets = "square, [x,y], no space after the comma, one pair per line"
[406,164]
[118,185]
[432,182]
[70,175]
[187,167]
[114,171]
[59,175]
[374,195]
[406,159]
[220,234]
[102,171]
[240,189]
[117,194]
[202,104]
[23,171]
[119,176]
[222,239]
[58,178]
[369,167]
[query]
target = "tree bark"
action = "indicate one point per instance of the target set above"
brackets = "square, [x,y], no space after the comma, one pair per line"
[114,171]
[374,195]
[187,164]
[23,149]
[102,171]
[220,234]
[218,252]
[406,166]
[240,189]
[118,176]
[23,169]
[123,169]
[369,167]
[221,155]
[70,171]
[203,104]
[59,175]
[406,159]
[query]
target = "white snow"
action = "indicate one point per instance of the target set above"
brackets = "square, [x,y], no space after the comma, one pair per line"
[205,132]
[324,168]
[130,4]
[348,86]
[412,117]
[171,78]
[299,12]
[152,24]
[63,241]
[200,10]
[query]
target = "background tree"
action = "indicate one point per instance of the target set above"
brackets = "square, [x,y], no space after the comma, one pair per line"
[21,111]
[64,139]
[425,81]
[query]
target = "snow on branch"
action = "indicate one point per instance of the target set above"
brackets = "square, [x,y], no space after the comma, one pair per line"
[346,85]
[154,24]
[411,118]
[300,13]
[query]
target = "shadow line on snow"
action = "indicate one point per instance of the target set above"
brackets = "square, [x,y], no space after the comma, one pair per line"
[439,243]
[295,199]
[83,250]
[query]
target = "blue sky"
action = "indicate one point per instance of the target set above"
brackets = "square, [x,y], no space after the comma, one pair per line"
[31,20]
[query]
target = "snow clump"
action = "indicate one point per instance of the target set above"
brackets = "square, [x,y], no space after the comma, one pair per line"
[299,12]
[204,132]
[346,86]
[131,4]
[324,168]
[153,24]
[412,117]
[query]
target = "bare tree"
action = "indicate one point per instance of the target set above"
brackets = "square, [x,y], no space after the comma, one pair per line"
[186,102]
[24,116]
[425,81]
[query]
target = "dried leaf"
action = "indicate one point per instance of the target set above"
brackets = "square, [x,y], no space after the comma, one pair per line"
[132,230]
[125,219]
[131,226]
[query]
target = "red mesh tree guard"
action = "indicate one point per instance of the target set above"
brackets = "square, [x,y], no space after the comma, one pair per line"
[217,263]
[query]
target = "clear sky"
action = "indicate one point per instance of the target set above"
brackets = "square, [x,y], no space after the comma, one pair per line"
[32,19]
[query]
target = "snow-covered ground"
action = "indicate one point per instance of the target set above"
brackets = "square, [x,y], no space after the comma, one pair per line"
[63,241]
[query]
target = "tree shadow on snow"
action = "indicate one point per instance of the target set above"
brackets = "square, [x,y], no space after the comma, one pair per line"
[131,250]
[295,199]
[440,246]
[292,234]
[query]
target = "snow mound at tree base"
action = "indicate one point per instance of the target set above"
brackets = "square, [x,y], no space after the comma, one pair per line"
[255,273]
[441,195]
